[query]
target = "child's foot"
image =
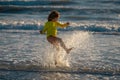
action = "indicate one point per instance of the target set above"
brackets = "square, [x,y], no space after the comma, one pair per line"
[68,50]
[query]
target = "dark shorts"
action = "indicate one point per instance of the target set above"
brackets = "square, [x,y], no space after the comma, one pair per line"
[53,39]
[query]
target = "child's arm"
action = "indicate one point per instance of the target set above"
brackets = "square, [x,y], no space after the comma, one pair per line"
[63,25]
[44,30]
[41,32]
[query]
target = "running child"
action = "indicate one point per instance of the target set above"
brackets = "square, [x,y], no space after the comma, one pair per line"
[50,28]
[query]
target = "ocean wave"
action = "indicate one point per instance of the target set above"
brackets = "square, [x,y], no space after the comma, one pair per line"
[61,8]
[78,27]
[56,2]
[34,9]
[116,2]
[37,2]
[50,69]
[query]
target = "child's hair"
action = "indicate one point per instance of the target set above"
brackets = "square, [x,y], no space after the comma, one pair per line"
[54,14]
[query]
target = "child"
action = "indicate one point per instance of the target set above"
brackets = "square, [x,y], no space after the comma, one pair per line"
[51,29]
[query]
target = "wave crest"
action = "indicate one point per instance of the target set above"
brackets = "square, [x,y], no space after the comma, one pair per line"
[72,27]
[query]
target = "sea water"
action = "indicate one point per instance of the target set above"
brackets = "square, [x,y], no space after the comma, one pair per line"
[94,32]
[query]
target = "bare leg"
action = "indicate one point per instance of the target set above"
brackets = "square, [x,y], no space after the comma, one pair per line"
[57,46]
[56,41]
[64,46]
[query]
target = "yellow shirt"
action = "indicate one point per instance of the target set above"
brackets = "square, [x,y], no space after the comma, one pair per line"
[51,28]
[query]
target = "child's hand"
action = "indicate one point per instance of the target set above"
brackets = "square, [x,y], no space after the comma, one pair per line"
[68,23]
[41,32]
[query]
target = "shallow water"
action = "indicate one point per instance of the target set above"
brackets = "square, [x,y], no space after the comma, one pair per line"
[95,56]
[94,32]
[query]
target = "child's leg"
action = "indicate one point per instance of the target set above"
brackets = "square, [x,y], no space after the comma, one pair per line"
[63,45]
[53,41]
[55,44]
[56,41]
